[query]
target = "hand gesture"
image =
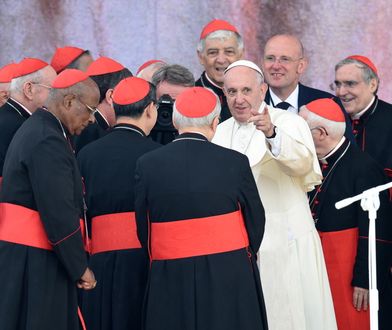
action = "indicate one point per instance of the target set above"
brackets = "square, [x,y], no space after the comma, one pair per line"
[262,122]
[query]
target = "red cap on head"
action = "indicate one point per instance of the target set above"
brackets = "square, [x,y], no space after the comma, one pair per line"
[326,108]
[216,25]
[7,72]
[196,102]
[68,78]
[28,65]
[364,60]
[146,64]
[103,65]
[130,90]
[64,56]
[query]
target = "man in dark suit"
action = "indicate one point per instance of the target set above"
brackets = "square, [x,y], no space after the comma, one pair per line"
[28,91]
[199,213]
[107,166]
[284,62]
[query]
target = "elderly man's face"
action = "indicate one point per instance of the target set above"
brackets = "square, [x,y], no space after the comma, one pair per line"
[283,63]
[218,54]
[243,92]
[82,111]
[353,91]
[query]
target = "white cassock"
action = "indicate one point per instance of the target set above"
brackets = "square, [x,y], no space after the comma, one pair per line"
[293,274]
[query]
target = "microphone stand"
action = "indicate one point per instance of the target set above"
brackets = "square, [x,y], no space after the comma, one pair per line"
[370,202]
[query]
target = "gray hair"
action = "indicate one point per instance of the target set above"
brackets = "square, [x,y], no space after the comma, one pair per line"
[335,129]
[174,74]
[367,74]
[222,35]
[152,67]
[180,121]
[17,83]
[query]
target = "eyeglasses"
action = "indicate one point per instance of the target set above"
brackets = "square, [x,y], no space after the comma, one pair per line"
[348,84]
[90,109]
[42,85]
[322,129]
[284,60]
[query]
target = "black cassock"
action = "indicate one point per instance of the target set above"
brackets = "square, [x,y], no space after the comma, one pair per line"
[203,81]
[107,166]
[373,133]
[38,288]
[12,116]
[193,179]
[348,172]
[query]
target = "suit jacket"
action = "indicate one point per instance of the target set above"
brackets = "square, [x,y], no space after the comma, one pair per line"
[308,94]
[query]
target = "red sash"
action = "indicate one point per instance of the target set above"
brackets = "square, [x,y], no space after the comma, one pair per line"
[197,237]
[21,225]
[111,232]
[340,250]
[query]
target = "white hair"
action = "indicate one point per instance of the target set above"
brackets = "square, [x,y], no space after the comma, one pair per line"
[181,121]
[222,35]
[335,129]
[17,83]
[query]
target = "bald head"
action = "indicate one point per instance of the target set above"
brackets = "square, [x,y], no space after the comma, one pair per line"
[283,63]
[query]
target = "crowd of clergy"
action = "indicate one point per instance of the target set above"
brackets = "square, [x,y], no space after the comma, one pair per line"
[156,201]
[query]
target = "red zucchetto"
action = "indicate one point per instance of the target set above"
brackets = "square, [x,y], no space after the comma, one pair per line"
[104,65]
[64,56]
[7,72]
[216,25]
[326,108]
[146,64]
[196,102]
[28,65]
[130,90]
[364,60]
[68,78]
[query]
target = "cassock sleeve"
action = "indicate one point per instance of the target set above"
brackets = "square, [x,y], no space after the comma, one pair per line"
[51,172]
[141,206]
[252,207]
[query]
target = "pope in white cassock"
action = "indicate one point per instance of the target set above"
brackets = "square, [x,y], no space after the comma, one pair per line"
[281,153]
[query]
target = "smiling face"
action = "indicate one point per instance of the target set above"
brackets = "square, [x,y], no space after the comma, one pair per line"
[217,55]
[243,91]
[354,92]
[283,64]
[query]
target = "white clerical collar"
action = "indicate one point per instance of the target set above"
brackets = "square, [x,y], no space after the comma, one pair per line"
[324,159]
[27,110]
[359,114]
[292,99]
[103,117]
[211,82]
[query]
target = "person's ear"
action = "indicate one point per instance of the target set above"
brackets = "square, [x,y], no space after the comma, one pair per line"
[28,90]
[68,101]
[108,96]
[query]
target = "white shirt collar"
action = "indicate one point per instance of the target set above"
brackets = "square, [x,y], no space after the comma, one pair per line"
[292,99]
[324,159]
[211,82]
[27,110]
[359,114]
